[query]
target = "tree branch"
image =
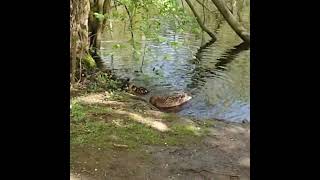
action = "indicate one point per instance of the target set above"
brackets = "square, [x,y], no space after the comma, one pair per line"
[235,25]
[199,21]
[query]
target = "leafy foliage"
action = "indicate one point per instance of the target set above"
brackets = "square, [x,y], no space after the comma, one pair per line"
[99,16]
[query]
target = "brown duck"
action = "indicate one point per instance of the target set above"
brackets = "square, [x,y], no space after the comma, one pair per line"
[169,101]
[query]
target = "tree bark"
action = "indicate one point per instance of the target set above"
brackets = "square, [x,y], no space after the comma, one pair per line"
[106,10]
[79,44]
[198,18]
[96,27]
[235,25]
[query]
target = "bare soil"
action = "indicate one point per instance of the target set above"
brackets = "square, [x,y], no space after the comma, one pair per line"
[223,154]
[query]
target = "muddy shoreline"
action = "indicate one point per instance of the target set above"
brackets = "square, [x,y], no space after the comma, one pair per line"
[223,152]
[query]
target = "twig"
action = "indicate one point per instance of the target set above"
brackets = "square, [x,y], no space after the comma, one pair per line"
[202,4]
[130,20]
[204,22]
[120,145]
[112,61]
[211,172]
[203,27]
[80,72]
[182,4]
[115,4]
[144,52]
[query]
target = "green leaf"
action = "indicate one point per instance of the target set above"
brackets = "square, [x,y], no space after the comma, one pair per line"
[116,46]
[161,39]
[174,44]
[167,57]
[137,52]
[99,16]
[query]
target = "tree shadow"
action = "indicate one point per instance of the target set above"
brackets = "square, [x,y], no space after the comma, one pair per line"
[124,110]
[201,72]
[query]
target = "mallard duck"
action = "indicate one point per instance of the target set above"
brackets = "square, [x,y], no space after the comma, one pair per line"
[169,101]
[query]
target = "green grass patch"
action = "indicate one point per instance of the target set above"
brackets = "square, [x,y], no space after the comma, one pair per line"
[118,96]
[77,113]
[87,128]
[169,117]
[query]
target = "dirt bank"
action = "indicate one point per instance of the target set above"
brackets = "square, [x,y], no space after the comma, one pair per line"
[116,136]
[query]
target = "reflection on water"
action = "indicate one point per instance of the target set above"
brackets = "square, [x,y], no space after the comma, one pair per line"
[216,74]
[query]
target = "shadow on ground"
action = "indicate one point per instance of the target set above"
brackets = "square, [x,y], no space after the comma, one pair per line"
[115,136]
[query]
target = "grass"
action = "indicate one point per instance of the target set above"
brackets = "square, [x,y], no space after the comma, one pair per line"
[77,113]
[95,129]
[87,128]
[169,117]
[118,96]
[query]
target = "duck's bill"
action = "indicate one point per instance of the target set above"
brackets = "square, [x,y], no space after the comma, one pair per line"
[188,98]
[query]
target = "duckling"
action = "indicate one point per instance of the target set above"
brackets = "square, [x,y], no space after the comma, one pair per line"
[142,90]
[124,83]
[169,101]
[138,90]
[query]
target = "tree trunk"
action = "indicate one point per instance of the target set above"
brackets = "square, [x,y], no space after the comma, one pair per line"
[79,45]
[235,25]
[96,27]
[198,18]
[106,10]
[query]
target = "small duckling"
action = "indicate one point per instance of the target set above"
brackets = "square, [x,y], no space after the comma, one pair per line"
[124,83]
[138,90]
[142,90]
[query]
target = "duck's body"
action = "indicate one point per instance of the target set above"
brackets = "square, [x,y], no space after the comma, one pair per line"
[170,101]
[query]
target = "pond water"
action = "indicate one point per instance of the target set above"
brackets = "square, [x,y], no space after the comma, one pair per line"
[217,74]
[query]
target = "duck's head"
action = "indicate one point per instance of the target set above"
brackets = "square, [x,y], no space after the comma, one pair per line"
[187,97]
[153,99]
[184,97]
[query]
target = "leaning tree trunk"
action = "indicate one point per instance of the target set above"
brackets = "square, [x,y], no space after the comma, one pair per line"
[235,25]
[79,44]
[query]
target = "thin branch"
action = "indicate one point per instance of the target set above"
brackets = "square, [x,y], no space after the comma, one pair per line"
[115,4]
[205,7]
[199,21]
[130,20]
[144,52]
[182,4]
[204,21]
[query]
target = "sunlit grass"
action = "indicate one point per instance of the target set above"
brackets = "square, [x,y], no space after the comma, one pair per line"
[169,117]
[88,129]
